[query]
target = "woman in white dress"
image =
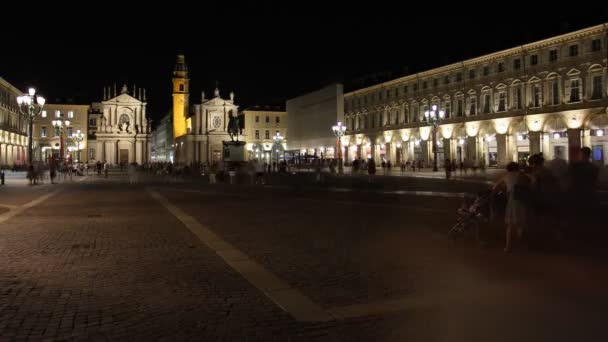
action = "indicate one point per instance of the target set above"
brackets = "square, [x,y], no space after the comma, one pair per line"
[515,212]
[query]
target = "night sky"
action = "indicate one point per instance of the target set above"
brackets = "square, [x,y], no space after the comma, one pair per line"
[264,51]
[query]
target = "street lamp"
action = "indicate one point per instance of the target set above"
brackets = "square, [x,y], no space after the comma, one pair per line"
[434,118]
[78,137]
[278,140]
[29,109]
[59,125]
[339,131]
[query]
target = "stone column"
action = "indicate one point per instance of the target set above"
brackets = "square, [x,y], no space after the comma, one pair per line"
[574,144]
[502,150]
[535,142]
[447,149]
[472,148]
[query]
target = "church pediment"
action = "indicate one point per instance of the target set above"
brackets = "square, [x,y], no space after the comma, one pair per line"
[124,99]
[218,102]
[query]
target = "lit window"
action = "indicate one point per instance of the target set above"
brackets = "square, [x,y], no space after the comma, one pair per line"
[44,113]
[70,114]
[57,114]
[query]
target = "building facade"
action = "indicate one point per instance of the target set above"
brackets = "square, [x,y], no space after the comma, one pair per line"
[13,129]
[311,117]
[262,123]
[199,130]
[162,140]
[123,133]
[548,96]
[48,138]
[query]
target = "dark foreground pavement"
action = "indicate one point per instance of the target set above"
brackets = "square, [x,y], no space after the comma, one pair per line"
[103,260]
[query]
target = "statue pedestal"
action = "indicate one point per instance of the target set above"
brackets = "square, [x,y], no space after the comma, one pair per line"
[234,151]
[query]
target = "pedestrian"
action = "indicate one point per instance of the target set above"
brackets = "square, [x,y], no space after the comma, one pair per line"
[53,172]
[371,170]
[516,185]
[106,168]
[388,167]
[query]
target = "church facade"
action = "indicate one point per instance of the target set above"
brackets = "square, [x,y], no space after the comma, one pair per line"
[200,130]
[123,130]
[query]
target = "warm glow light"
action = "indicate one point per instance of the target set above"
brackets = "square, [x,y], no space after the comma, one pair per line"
[599,133]
[32,91]
[461,141]
[41,100]
[535,125]
[425,132]
[556,135]
[520,137]
[19,100]
[398,145]
[441,114]
[417,142]
[501,126]
[434,107]
[472,130]
[446,132]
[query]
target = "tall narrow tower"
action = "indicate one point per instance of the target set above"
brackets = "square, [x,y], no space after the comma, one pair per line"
[181,94]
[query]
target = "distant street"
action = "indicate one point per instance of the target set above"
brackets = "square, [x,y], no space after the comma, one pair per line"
[101,259]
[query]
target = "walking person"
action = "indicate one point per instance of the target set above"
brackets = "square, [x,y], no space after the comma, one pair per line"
[516,185]
[106,167]
[448,168]
[371,170]
[53,172]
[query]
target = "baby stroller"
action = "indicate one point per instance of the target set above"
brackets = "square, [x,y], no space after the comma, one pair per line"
[473,215]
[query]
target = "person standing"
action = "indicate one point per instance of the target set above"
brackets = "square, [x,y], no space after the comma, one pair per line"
[516,185]
[371,170]
[448,168]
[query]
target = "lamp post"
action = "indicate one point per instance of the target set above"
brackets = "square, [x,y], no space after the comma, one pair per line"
[60,124]
[434,117]
[78,137]
[278,141]
[30,106]
[339,131]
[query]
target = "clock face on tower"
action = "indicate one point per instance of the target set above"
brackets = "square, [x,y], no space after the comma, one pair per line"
[217,121]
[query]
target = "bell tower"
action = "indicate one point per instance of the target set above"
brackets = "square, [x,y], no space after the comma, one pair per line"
[181,95]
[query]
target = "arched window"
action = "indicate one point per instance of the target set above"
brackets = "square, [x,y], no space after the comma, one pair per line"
[124,118]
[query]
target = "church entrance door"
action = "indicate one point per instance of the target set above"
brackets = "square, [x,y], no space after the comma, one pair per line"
[124,156]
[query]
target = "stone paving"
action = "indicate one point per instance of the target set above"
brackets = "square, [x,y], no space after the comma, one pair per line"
[102,260]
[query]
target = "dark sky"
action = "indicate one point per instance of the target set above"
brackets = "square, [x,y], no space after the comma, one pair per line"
[265,51]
